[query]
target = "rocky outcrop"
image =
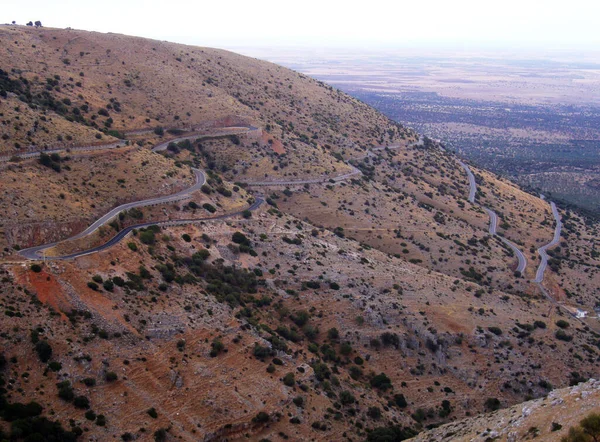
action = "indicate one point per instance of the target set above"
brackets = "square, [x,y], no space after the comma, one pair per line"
[547,418]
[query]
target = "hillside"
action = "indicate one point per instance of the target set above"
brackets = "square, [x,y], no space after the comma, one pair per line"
[289,264]
[548,418]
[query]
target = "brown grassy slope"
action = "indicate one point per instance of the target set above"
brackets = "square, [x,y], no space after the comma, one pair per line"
[21,127]
[42,205]
[415,206]
[137,83]
[445,349]
[160,83]
[451,331]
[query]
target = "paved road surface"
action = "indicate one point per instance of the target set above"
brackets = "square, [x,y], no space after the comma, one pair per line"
[123,233]
[221,133]
[323,179]
[34,252]
[34,154]
[493,220]
[472,182]
[539,275]
[522,265]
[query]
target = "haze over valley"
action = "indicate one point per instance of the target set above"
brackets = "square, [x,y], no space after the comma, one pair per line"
[526,114]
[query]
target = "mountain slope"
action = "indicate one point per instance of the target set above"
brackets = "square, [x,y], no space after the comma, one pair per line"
[366,292]
[548,418]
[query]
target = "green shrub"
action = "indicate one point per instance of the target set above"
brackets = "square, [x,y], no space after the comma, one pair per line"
[152,413]
[147,237]
[36,268]
[562,336]
[587,431]
[160,435]
[289,379]
[345,349]
[374,413]
[355,372]
[81,402]
[65,391]
[262,352]
[240,238]
[347,398]
[43,350]
[209,207]
[388,339]
[261,418]
[400,401]
[492,404]
[495,330]
[55,366]
[393,433]
[333,334]
[217,347]
[301,317]
[381,382]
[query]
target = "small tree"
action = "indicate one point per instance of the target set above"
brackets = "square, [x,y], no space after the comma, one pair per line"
[347,398]
[591,426]
[38,24]
[44,350]
[492,404]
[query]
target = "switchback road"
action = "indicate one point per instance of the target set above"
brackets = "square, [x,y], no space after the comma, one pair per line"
[123,233]
[200,177]
[493,220]
[539,275]
[36,153]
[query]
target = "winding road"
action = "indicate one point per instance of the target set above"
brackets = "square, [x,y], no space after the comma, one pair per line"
[522,265]
[539,275]
[320,180]
[353,172]
[36,153]
[34,252]
[238,130]
[123,233]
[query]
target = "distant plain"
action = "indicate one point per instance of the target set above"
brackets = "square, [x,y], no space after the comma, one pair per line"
[532,117]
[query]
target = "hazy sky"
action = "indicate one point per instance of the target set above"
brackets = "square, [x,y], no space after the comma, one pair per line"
[233,23]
